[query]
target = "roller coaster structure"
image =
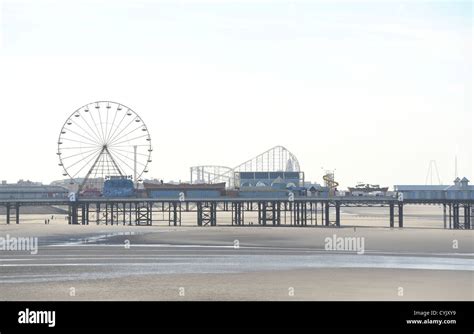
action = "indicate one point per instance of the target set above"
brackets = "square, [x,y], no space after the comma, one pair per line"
[276,159]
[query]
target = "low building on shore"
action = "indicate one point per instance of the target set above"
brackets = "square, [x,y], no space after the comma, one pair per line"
[460,190]
[31,190]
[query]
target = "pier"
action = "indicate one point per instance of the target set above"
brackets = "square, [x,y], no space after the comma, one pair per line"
[308,211]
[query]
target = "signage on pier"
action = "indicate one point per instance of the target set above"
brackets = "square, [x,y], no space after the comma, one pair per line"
[72,197]
[400,197]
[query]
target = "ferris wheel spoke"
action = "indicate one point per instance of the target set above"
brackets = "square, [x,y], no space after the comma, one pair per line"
[129,158]
[130,140]
[106,122]
[88,139]
[121,131]
[78,160]
[133,160]
[118,126]
[76,141]
[112,125]
[77,147]
[131,152]
[101,124]
[87,164]
[142,145]
[86,132]
[125,135]
[80,153]
[87,157]
[92,130]
[95,124]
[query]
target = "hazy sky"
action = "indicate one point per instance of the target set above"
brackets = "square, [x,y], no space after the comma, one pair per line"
[373,89]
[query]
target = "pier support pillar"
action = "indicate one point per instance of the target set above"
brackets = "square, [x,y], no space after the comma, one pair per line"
[275,207]
[338,215]
[467,217]
[199,214]
[106,214]
[87,213]
[112,205]
[83,218]
[213,214]
[151,214]
[97,211]
[456,216]
[296,213]
[400,215]
[206,214]
[274,213]
[269,212]
[278,213]
[124,211]
[316,213]
[175,214]
[392,215]
[304,213]
[17,213]
[444,216]
[237,213]
[322,213]
[450,216]
[326,214]
[142,214]
[8,213]
[73,213]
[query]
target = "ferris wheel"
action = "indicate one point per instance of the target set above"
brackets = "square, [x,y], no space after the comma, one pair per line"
[104,139]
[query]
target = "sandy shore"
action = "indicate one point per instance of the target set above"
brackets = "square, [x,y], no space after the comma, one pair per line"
[377,239]
[270,263]
[320,284]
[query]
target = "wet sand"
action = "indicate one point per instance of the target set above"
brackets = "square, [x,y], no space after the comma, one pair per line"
[309,284]
[156,263]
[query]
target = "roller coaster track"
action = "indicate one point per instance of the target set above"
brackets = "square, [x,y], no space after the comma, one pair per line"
[276,159]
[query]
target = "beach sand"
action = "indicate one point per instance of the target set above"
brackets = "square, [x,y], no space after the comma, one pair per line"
[271,263]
